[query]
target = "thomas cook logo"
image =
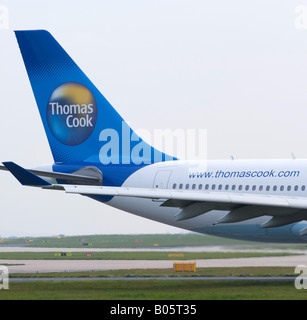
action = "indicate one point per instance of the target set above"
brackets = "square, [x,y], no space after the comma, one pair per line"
[71,113]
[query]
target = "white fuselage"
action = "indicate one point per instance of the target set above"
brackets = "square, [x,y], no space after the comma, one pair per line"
[264,177]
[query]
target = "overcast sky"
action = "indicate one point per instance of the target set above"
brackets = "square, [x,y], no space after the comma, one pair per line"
[236,68]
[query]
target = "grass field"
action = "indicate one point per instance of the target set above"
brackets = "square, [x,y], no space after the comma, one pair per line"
[153,290]
[150,289]
[121,241]
[135,241]
[200,272]
[158,289]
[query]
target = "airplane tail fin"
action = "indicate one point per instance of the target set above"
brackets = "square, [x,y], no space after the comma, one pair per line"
[80,124]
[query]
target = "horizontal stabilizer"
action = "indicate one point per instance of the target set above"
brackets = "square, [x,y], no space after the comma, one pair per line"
[24,176]
[85,176]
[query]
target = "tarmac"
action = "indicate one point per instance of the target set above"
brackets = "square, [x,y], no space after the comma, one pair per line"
[46,266]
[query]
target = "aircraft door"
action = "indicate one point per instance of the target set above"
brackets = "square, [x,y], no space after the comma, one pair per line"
[161,179]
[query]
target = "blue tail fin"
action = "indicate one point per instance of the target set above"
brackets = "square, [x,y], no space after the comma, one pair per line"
[80,124]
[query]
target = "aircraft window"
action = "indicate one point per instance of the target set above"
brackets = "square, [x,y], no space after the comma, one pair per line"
[260,188]
[289,188]
[226,187]
[187,186]
[254,188]
[295,188]
[220,187]
[213,187]
[240,187]
[193,186]
[303,188]
[282,188]
[180,186]
[174,186]
[233,187]
[274,188]
[206,186]
[267,188]
[200,186]
[246,187]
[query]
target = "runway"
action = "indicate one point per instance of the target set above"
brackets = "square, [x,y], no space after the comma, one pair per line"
[45,266]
